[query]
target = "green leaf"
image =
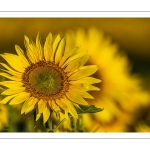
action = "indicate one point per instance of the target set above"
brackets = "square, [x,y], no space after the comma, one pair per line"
[88,109]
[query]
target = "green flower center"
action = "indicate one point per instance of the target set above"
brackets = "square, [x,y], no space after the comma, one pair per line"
[46,80]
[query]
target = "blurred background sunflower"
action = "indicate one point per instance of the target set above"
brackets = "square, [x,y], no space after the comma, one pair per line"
[120,48]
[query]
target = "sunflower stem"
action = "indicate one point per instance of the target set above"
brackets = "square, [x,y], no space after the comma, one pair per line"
[73,124]
[60,123]
[80,124]
[50,122]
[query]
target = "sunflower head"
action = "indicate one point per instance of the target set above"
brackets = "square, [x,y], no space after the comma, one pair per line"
[47,78]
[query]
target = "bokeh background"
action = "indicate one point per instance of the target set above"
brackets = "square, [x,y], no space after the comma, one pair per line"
[121,49]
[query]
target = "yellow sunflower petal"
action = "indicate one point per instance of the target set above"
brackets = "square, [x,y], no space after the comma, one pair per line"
[38,116]
[89,87]
[64,115]
[37,52]
[54,106]
[46,114]
[6,75]
[21,97]
[62,104]
[39,47]
[21,55]
[72,110]
[74,97]
[41,106]
[25,105]
[11,84]
[85,94]
[60,50]
[87,80]
[83,72]
[11,71]
[84,86]
[6,99]
[29,50]
[80,91]
[14,62]
[55,46]
[67,106]
[29,105]
[15,90]
[79,54]
[64,107]
[75,64]
[76,105]
[67,55]
[50,103]
[48,47]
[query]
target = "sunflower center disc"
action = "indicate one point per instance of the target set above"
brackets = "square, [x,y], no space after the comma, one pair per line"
[46,80]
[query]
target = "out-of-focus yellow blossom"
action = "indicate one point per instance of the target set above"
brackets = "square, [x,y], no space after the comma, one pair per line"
[142,127]
[3,114]
[3,117]
[120,93]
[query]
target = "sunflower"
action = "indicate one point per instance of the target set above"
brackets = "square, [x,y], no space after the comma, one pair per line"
[121,94]
[47,78]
